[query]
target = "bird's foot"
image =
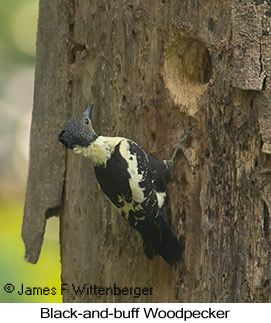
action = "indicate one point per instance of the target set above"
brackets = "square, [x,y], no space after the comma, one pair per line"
[181,147]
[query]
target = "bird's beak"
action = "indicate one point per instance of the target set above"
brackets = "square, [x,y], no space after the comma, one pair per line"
[64,141]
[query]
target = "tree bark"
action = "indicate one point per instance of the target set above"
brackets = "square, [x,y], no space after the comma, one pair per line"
[152,69]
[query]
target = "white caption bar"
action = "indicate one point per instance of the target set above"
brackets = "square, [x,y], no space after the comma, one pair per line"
[143,312]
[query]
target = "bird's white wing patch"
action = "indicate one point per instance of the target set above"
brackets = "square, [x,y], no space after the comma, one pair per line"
[161,198]
[133,170]
[128,206]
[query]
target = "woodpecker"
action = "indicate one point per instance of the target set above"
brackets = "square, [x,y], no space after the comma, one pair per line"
[133,180]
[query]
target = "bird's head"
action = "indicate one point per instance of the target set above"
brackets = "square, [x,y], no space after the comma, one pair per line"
[78,131]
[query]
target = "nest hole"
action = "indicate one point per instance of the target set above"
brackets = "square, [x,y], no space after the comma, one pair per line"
[187,69]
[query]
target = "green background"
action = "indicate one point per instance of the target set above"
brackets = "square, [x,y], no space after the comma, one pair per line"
[18,26]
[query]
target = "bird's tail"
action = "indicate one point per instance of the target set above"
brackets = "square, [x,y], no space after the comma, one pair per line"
[171,249]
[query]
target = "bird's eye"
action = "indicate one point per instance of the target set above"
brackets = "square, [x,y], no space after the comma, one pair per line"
[86,121]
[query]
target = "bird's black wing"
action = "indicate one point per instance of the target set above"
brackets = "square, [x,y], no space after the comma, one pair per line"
[160,173]
[130,179]
[127,180]
[114,179]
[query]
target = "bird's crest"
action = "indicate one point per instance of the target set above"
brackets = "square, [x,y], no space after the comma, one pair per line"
[88,111]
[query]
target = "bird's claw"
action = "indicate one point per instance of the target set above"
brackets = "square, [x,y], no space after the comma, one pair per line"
[180,146]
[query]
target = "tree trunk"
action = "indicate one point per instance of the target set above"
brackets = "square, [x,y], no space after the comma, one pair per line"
[152,69]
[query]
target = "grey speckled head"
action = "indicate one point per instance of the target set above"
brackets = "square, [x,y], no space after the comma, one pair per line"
[78,131]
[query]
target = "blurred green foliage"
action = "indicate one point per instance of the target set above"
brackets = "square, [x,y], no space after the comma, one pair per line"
[13,268]
[18,26]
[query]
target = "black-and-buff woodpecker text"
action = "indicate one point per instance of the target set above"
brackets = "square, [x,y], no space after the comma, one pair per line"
[134,181]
